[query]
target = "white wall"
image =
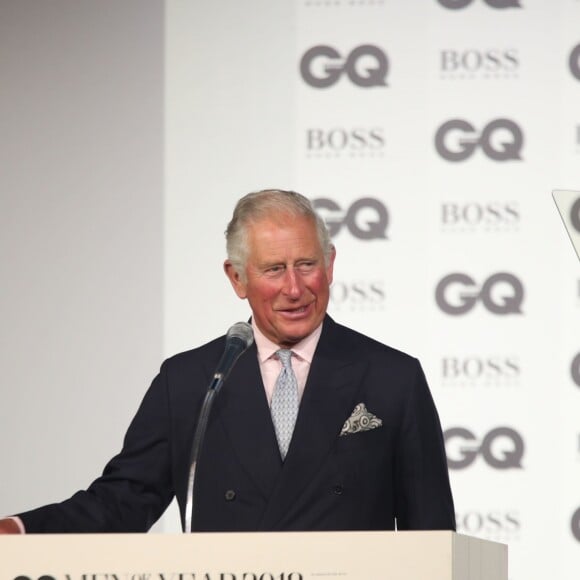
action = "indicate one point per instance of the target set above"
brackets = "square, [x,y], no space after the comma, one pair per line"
[81,149]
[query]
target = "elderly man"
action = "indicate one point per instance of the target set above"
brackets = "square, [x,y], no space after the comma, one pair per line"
[317,427]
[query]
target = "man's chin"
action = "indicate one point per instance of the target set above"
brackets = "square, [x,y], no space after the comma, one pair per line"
[292,334]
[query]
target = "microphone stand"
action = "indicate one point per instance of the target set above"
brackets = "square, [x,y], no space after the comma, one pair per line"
[238,339]
[196,446]
[198,436]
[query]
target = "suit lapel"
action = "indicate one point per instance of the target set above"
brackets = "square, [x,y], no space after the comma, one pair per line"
[328,400]
[245,416]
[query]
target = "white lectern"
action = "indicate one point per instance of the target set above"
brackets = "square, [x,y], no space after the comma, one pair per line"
[253,556]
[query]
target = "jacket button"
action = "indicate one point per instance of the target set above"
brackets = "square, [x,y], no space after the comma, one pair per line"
[337,489]
[230,495]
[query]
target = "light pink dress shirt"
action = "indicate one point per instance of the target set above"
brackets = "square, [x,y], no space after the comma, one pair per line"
[270,366]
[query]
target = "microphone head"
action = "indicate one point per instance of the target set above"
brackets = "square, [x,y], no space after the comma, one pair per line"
[242,331]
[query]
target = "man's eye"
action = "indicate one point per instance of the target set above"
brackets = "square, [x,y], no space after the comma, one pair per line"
[306,266]
[273,270]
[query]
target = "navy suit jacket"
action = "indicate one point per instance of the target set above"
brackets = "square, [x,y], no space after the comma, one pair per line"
[360,481]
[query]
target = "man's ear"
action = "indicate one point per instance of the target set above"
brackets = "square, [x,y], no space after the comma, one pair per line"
[235,279]
[330,267]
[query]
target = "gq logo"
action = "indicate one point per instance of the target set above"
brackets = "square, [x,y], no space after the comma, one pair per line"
[465,139]
[575,215]
[458,293]
[575,524]
[463,447]
[366,66]
[458,4]
[371,227]
[575,369]
[575,61]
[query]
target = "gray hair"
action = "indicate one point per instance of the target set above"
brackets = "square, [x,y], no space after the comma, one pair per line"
[258,205]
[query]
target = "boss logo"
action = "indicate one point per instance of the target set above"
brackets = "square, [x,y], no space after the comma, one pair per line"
[366,66]
[474,61]
[501,140]
[575,369]
[366,218]
[458,4]
[358,140]
[501,448]
[501,294]
[358,295]
[491,523]
[492,368]
[575,61]
[494,214]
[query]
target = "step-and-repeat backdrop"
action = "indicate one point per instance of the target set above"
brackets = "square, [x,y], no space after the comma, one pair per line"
[429,134]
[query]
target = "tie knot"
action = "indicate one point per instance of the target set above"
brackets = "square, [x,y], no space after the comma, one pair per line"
[285,355]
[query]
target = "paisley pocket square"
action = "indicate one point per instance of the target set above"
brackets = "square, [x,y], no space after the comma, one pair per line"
[360,420]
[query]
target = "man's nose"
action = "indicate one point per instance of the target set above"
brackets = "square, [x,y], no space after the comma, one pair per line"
[293,284]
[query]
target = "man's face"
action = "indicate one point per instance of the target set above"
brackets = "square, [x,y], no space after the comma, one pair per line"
[287,282]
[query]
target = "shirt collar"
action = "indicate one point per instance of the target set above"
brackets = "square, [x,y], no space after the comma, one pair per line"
[303,349]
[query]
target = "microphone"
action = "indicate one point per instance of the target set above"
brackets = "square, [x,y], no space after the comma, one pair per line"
[238,338]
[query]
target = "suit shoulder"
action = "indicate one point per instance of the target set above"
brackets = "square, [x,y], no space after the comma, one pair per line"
[205,353]
[369,347]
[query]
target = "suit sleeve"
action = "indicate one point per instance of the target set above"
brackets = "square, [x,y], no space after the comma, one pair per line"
[423,499]
[135,487]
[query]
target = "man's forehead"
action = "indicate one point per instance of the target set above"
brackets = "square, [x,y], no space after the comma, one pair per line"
[282,231]
[281,218]
[283,242]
